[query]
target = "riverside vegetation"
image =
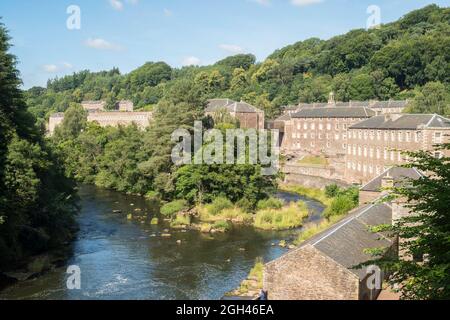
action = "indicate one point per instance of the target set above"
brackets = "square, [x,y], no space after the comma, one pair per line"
[37,201]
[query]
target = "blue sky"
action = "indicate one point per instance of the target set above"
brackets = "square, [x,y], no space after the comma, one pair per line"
[127,33]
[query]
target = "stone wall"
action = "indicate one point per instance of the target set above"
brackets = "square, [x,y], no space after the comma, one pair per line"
[306,274]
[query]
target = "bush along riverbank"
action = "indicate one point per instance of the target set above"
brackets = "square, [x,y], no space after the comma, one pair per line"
[338,201]
[252,286]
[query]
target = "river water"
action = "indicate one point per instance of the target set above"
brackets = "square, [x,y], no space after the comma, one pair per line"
[121,259]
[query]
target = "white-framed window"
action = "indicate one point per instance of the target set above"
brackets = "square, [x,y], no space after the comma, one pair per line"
[392,136]
[320,126]
[359,167]
[371,152]
[379,135]
[438,137]
[305,136]
[328,126]
[378,153]
[336,136]
[354,150]
[408,136]
[385,153]
[392,155]
[359,151]
[305,126]
[400,136]
[313,126]
[365,151]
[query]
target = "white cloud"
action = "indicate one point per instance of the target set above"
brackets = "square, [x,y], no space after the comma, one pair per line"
[54,68]
[116,4]
[231,48]
[265,3]
[304,3]
[101,44]
[191,61]
[167,12]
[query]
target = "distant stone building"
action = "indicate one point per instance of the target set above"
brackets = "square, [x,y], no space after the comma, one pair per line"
[93,106]
[324,267]
[105,119]
[125,106]
[376,144]
[248,116]
[320,130]
[114,119]
[54,121]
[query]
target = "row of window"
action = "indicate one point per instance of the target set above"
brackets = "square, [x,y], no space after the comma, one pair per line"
[321,126]
[312,144]
[319,136]
[393,136]
[374,153]
[365,169]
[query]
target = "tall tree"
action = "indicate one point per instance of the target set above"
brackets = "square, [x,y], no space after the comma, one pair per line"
[424,233]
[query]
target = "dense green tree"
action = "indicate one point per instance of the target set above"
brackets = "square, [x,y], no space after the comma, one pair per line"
[434,97]
[424,233]
[36,200]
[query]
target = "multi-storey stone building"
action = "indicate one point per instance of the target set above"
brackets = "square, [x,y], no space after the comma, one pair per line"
[376,144]
[321,130]
[104,119]
[248,116]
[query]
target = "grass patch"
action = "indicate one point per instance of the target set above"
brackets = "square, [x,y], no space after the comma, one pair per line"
[281,219]
[171,208]
[271,203]
[314,161]
[234,214]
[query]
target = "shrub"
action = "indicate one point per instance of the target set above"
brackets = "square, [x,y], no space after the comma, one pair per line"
[271,203]
[332,190]
[181,220]
[245,205]
[171,208]
[218,205]
[341,205]
[222,225]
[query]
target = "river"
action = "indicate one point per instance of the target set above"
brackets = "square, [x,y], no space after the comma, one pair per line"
[121,259]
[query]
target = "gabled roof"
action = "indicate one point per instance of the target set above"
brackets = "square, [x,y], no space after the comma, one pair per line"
[398,174]
[231,106]
[335,112]
[215,104]
[404,122]
[346,242]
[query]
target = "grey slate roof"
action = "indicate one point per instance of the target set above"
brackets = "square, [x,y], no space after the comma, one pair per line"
[404,122]
[335,112]
[399,175]
[346,242]
[390,104]
[216,104]
[231,106]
